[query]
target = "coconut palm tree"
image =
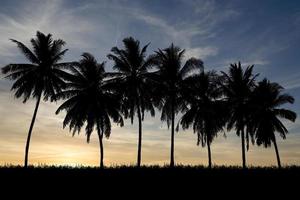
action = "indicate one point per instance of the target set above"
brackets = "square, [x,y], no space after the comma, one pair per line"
[90,101]
[237,86]
[267,101]
[172,74]
[43,77]
[206,112]
[133,82]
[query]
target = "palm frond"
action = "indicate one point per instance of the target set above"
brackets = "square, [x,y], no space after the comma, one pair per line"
[286,114]
[27,52]
[190,65]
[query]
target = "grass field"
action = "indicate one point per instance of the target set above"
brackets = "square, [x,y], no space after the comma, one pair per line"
[149,172]
[156,178]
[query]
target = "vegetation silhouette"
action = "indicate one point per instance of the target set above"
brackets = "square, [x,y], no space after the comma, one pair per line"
[43,77]
[207,113]
[90,101]
[237,86]
[172,74]
[209,102]
[267,101]
[133,82]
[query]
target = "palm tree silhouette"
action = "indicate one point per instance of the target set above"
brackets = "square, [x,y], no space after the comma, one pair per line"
[133,82]
[172,75]
[267,100]
[90,101]
[43,77]
[206,112]
[237,86]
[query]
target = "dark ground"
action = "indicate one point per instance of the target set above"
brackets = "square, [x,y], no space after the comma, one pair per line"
[153,181]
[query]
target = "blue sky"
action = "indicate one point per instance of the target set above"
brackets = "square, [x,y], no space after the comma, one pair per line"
[264,33]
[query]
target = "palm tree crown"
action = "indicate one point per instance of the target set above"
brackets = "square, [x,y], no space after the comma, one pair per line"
[237,86]
[43,76]
[206,113]
[133,81]
[171,90]
[267,100]
[90,101]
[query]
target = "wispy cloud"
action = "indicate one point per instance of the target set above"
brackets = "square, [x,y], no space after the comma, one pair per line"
[183,33]
[291,82]
[202,53]
[47,16]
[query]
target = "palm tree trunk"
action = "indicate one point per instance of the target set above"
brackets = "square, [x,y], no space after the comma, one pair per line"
[277,152]
[30,129]
[100,136]
[243,148]
[139,156]
[209,154]
[172,162]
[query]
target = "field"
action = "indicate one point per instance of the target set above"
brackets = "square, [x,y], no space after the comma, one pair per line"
[154,178]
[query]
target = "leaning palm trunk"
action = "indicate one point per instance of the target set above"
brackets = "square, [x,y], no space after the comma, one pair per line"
[209,154]
[139,156]
[172,162]
[277,152]
[243,148]
[30,130]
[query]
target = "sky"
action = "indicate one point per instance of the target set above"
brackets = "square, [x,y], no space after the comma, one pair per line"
[264,33]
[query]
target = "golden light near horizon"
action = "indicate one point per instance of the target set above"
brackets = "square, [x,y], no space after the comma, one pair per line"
[51,145]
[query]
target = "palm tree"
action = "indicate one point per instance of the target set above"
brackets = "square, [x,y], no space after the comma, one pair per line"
[206,111]
[267,101]
[42,77]
[237,86]
[90,101]
[172,75]
[133,82]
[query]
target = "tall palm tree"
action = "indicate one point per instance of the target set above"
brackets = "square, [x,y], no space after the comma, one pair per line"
[172,74]
[267,100]
[42,77]
[206,111]
[90,101]
[133,82]
[237,86]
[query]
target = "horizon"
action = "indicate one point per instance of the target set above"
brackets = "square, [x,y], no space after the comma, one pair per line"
[265,34]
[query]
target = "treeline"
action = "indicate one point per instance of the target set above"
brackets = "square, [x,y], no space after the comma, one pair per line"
[208,101]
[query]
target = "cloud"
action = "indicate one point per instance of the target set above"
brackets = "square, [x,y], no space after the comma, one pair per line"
[184,33]
[223,65]
[202,53]
[291,82]
[49,17]
[256,62]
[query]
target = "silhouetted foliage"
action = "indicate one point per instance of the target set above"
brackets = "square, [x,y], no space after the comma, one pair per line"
[267,101]
[207,112]
[90,101]
[93,97]
[43,77]
[237,86]
[172,92]
[133,82]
